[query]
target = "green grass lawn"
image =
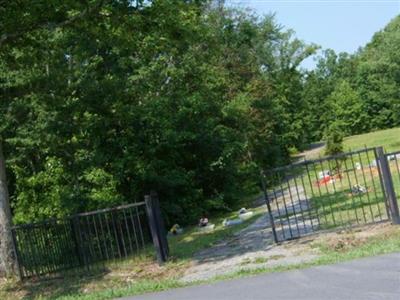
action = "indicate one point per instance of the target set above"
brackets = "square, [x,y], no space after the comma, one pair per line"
[333,204]
[389,139]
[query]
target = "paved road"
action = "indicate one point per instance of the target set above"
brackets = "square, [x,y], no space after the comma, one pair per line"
[368,278]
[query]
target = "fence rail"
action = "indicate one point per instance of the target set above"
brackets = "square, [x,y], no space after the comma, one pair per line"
[81,240]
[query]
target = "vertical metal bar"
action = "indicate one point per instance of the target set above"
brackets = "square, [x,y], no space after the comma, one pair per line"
[32,254]
[306,200]
[140,227]
[279,213]
[366,187]
[387,179]
[62,248]
[397,167]
[374,186]
[83,245]
[328,196]
[342,189]
[43,235]
[357,183]
[271,218]
[312,193]
[134,229]
[109,234]
[285,206]
[104,235]
[122,237]
[351,191]
[18,256]
[55,240]
[43,266]
[89,240]
[48,243]
[381,181]
[320,194]
[115,234]
[28,254]
[81,249]
[97,237]
[335,191]
[69,242]
[294,207]
[63,259]
[128,232]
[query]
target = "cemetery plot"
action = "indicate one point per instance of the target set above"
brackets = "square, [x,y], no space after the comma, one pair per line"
[338,191]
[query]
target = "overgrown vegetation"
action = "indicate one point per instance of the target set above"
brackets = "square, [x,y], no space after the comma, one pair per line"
[104,101]
[124,280]
[165,95]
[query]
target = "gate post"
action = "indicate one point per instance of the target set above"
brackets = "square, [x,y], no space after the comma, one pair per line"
[388,186]
[157,227]
[271,217]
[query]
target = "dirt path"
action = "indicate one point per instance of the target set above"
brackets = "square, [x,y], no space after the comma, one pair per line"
[253,247]
[313,152]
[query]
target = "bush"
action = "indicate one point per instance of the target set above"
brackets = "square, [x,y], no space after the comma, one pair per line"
[334,139]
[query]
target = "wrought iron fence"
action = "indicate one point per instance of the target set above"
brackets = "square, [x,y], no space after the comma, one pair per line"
[337,191]
[81,240]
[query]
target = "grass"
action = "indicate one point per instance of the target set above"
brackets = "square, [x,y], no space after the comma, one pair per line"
[342,248]
[183,247]
[389,139]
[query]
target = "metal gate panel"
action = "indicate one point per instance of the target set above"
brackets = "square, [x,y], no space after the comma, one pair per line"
[336,191]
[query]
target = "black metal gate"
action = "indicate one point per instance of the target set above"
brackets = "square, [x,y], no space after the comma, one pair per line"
[349,189]
[86,240]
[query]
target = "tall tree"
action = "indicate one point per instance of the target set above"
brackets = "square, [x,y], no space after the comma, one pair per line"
[8,263]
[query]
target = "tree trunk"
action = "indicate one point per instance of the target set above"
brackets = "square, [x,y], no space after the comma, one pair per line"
[8,264]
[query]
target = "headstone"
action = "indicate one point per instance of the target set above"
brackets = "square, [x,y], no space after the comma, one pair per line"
[323,174]
[232,222]
[373,163]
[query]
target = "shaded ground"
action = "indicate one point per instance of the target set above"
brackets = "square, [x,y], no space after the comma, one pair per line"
[314,150]
[252,247]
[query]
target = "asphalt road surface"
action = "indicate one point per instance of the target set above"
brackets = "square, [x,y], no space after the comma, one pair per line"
[368,278]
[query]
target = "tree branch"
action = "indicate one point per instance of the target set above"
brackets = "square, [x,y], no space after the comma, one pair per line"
[8,37]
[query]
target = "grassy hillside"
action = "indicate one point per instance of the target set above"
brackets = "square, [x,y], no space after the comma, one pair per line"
[389,139]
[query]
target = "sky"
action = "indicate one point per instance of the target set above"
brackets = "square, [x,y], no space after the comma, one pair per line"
[341,25]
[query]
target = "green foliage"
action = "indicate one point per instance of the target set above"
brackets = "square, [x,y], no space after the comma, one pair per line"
[345,104]
[334,139]
[362,90]
[106,102]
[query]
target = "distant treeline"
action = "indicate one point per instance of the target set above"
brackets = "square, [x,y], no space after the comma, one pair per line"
[106,101]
